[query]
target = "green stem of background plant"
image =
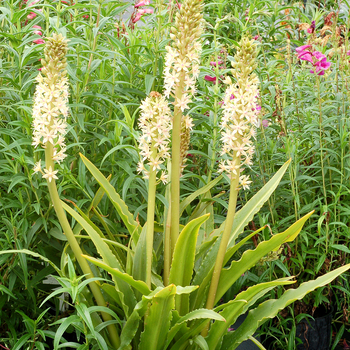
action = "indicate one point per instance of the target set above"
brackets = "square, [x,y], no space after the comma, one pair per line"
[175,167]
[61,215]
[152,184]
[231,211]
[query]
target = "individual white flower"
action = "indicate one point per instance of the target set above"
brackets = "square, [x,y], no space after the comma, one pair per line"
[50,174]
[37,167]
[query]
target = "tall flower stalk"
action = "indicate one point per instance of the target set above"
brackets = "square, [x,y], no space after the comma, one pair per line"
[237,130]
[180,74]
[155,125]
[50,112]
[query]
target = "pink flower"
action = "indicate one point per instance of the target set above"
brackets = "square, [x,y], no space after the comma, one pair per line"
[143,3]
[311,29]
[256,37]
[137,17]
[39,41]
[86,16]
[265,123]
[209,78]
[305,56]
[144,11]
[32,15]
[302,48]
[214,63]
[36,27]
[321,66]
[348,53]
[38,32]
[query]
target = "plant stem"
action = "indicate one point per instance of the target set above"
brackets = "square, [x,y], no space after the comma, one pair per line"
[223,244]
[150,223]
[175,167]
[61,215]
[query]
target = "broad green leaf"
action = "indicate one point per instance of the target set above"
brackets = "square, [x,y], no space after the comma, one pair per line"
[183,260]
[157,321]
[270,308]
[126,294]
[139,265]
[233,309]
[36,255]
[187,201]
[242,217]
[246,214]
[251,257]
[139,285]
[193,315]
[3,289]
[118,203]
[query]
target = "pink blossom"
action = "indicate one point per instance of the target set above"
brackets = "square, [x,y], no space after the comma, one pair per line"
[265,123]
[305,56]
[38,32]
[221,103]
[86,16]
[321,66]
[256,37]
[214,63]
[32,15]
[143,3]
[137,17]
[348,53]
[302,48]
[144,11]
[64,2]
[209,78]
[39,41]
[311,29]
[36,27]
[232,97]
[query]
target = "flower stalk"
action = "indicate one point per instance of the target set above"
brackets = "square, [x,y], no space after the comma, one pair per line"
[50,112]
[155,124]
[237,128]
[180,74]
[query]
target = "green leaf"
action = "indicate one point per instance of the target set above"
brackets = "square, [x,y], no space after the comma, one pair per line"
[341,247]
[183,260]
[238,306]
[251,257]
[36,255]
[157,321]
[3,289]
[242,217]
[139,285]
[118,203]
[139,266]
[187,201]
[127,297]
[246,214]
[270,308]
[193,315]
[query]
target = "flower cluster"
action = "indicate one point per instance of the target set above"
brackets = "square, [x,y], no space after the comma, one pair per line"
[240,113]
[316,58]
[136,16]
[155,125]
[50,109]
[182,63]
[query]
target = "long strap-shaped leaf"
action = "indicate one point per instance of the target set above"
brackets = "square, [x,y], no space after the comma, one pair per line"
[231,310]
[251,257]
[246,214]
[197,193]
[157,321]
[183,261]
[270,308]
[126,294]
[141,286]
[118,203]
[242,217]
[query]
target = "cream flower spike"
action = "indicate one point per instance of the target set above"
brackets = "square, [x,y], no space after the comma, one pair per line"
[50,109]
[240,113]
